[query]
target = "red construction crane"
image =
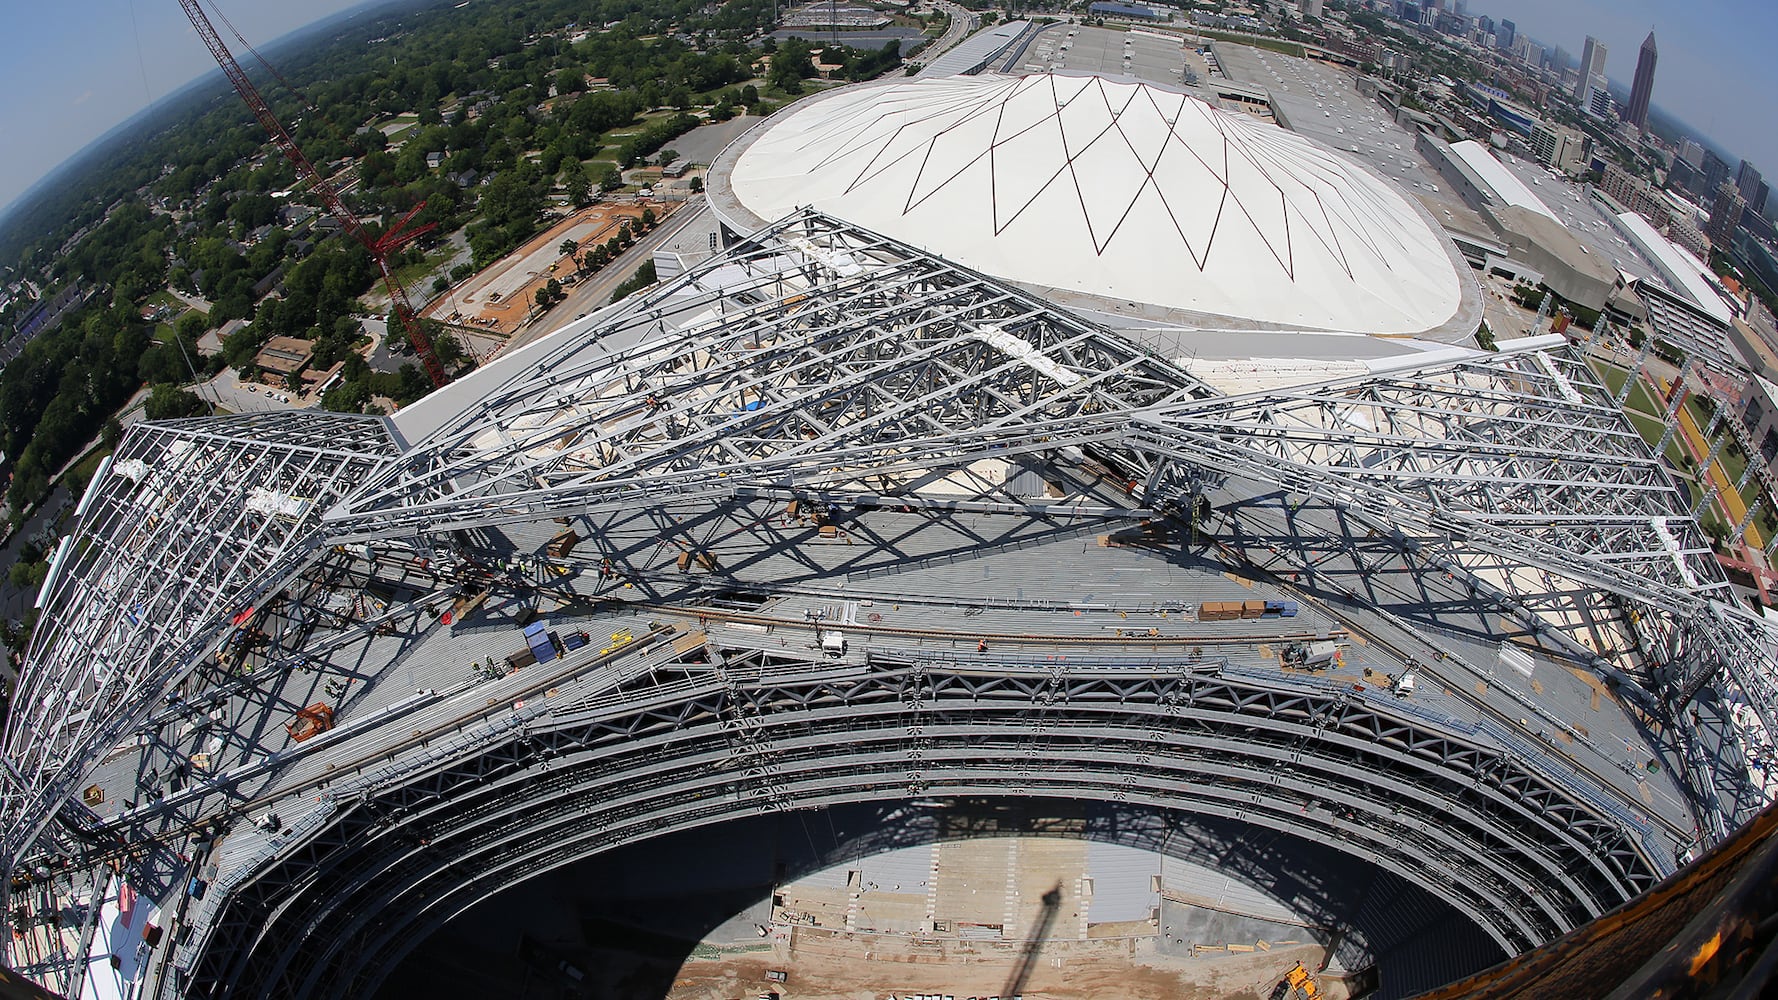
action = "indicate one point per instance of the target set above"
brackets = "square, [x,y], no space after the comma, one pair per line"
[380,247]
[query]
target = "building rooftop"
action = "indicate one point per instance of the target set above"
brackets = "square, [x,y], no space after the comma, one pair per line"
[978,50]
[1087,184]
[1681,271]
[284,355]
[1500,180]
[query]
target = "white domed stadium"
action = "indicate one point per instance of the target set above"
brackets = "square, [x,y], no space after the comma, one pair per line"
[1115,197]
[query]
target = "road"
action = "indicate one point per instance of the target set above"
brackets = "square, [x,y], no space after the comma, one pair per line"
[595,292]
[963,24]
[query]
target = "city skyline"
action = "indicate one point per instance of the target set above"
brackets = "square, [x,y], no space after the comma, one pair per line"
[85,71]
[1707,49]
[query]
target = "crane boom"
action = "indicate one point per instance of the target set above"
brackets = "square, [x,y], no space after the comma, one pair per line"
[380,248]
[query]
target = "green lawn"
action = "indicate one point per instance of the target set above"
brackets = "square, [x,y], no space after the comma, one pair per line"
[82,472]
[1640,397]
[1645,411]
[163,298]
[1611,375]
[1274,44]
[1649,427]
[413,274]
[1644,400]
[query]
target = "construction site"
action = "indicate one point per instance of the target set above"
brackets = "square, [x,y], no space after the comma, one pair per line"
[997,640]
[502,297]
[570,588]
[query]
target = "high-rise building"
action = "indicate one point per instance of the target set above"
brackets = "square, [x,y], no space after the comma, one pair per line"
[1599,103]
[1633,193]
[1682,232]
[1505,33]
[1725,215]
[1747,180]
[1644,87]
[1312,8]
[1557,147]
[1683,176]
[1592,66]
[1715,171]
[1692,153]
[1761,197]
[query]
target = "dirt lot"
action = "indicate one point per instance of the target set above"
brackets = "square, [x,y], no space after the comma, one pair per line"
[871,967]
[499,298]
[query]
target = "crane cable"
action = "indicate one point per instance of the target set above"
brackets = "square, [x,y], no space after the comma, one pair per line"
[269,68]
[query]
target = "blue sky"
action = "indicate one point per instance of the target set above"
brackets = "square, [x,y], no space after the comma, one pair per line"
[71,71]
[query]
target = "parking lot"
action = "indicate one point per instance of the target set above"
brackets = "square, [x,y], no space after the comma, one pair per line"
[1142,55]
[1323,103]
[226,392]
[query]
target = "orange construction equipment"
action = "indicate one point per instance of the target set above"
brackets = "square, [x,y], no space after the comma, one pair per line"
[311,721]
[1299,980]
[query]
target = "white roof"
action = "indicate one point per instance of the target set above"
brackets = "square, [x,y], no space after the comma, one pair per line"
[1504,182]
[983,46]
[1683,272]
[1116,189]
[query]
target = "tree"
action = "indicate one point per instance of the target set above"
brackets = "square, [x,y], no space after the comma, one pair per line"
[241,346]
[191,326]
[791,65]
[347,397]
[697,185]
[169,402]
[576,184]
[27,576]
[643,277]
[569,81]
[667,157]
[569,247]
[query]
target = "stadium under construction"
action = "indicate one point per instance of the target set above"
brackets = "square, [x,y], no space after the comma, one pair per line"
[927,513]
